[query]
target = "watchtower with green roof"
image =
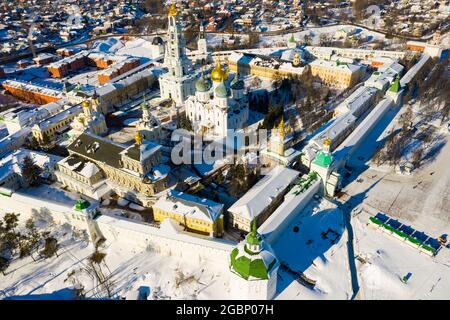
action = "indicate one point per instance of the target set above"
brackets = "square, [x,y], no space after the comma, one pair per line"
[395,91]
[254,268]
[322,163]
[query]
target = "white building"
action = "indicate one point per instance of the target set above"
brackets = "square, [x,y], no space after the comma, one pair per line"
[260,201]
[14,141]
[218,107]
[179,82]
[11,167]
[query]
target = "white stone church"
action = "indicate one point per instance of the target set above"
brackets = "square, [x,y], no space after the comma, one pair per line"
[218,106]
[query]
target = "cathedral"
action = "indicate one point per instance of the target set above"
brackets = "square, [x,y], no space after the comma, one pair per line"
[179,82]
[218,105]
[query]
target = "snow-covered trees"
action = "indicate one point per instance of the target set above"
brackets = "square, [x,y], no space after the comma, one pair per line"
[31,172]
[51,246]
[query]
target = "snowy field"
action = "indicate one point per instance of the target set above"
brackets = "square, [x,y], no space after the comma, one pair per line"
[321,258]
[128,269]
[420,200]
[388,260]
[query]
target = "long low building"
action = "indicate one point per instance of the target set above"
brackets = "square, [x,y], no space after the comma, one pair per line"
[266,66]
[32,92]
[196,214]
[336,73]
[294,202]
[262,199]
[354,140]
[363,54]
[358,102]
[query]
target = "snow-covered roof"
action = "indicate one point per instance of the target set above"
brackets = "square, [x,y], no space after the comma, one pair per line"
[261,195]
[69,60]
[33,88]
[143,151]
[190,206]
[357,101]
[404,81]
[57,118]
[12,162]
[339,126]
[347,147]
[75,163]
[336,65]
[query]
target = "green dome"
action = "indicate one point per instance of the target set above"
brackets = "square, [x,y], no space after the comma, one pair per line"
[82,204]
[144,105]
[323,159]
[292,39]
[221,91]
[202,84]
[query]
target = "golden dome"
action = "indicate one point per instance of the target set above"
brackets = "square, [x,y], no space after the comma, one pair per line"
[85,104]
[173,12]
[219,74]
[138,137]
[327,142]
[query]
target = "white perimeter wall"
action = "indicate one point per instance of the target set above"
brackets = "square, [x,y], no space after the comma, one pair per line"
[138,235]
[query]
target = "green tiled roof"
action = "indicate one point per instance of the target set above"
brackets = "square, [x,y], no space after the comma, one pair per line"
[252,238]
[250,265]
[323,159]
[247,268]
[82,204]
[395,86]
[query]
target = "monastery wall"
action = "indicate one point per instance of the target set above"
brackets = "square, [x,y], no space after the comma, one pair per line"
[28,206]
[190,247]
[136,234]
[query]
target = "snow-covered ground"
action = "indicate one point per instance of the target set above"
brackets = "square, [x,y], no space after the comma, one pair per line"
[322,259]
[388,260]
[421,200]
[128,268]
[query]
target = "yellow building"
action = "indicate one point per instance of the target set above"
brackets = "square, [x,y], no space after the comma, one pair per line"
[196,214]
[336,73]
[46,131]
[97,165]
[265,66]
